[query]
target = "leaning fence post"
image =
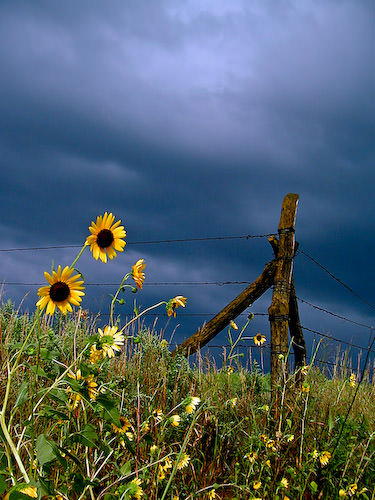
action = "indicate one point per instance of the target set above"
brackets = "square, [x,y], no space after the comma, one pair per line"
[278,312]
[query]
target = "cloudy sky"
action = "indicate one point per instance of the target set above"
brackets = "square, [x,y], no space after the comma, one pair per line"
[191,119]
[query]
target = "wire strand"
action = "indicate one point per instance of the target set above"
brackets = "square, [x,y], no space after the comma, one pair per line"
[150,242]
[336,279]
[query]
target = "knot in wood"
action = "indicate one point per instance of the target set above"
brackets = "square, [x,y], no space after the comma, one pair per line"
[286,230]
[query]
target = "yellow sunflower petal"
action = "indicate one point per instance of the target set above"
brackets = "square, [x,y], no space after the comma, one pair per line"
[103,255]
[48,278]
[66,273]
[96,252]
[50,308]
[111,252]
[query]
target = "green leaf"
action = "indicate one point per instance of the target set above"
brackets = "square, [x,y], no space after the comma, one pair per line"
[313,487]
[59,395]
[48,354]
[48,411]
[45,451]
[126,469]
[3,484]
[87,436]
[110,411]
[23,394]
[38,370]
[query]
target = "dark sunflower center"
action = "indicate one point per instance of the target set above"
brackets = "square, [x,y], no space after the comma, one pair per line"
[104,238]
[59,292]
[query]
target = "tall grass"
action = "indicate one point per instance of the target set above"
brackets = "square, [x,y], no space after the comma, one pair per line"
[138,437]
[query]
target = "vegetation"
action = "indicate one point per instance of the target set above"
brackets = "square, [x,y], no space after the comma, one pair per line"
[155,427]
[107,413]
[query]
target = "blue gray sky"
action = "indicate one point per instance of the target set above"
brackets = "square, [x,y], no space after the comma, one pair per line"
[191,119]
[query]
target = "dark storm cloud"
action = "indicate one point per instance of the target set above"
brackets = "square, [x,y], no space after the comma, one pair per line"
[190,120]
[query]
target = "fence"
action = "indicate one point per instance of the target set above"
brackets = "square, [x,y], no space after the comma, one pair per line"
[278,275]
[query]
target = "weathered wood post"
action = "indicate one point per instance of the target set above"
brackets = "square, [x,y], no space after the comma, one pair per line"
[278,312]
[295,328]
[230,312]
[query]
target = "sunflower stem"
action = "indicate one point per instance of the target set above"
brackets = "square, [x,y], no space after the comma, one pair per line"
[116,295]
[78,256]
[143,312]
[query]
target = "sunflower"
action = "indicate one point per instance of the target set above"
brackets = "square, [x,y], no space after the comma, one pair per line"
[324,458]
[259,339]
[175,420]
[110,340]
[124,428]
[183,462]
[63,290]
[106,237]
[192,404]
[25,489]
[136,490]
[138,274]
[174,303]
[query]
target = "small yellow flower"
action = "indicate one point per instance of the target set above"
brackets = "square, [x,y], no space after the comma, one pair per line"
[233,325]
[172,305]
[306,388]
[30,491]
[154,448]
[305,369]
[252,456]
[110,340]
[263,438]
[352,489]
[271,444]
[161,473]
[176,497]
[324,458]
[91,387]
[233,402]
[342,493]
[183,462]
[138,274]
[158,415]
[95,355]
[193,403]
[124,428]
[62,291]
[138,490]
[168,464]
[212,494]
[352,380]
[175,420]
[268,463]
[230,370]
[257,485]
[106,237]
[315,454]
[284,483]
[164,343]
[290,438]
[259,339]
[286,498]
[129,435]
[145,427]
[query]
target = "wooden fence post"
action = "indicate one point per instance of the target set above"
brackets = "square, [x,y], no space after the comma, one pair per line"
[230,312]
[295,329]
[278,312]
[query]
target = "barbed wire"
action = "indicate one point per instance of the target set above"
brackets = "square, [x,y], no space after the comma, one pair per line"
[335,339]
[149,242]
[152,283]
[335,314]
[336,278]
